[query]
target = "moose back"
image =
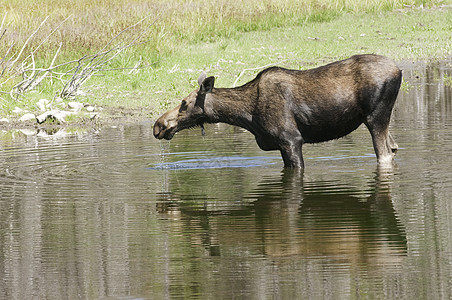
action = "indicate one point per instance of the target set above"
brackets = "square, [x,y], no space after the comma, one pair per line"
[285,109]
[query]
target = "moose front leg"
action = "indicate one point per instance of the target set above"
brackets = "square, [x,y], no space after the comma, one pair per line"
[292,154]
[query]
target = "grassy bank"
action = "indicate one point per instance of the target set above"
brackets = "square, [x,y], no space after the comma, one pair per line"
[228,39]
[93,23]
[402,35]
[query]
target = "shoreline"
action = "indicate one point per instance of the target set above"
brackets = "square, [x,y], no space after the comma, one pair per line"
[108,117]
[117,117]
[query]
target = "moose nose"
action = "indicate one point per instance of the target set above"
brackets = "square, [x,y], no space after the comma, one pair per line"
[158,128]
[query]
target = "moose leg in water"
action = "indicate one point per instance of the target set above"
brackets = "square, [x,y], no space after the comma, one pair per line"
[292,154]
[378,120]
[285,109]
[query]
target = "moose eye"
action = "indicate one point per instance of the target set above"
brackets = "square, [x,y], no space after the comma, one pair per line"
[183,106]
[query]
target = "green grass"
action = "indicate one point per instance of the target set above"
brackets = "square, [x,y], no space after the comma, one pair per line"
[222,38]
[412,34]
[93,23]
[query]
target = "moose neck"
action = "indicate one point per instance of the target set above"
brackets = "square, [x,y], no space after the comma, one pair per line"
[233,106]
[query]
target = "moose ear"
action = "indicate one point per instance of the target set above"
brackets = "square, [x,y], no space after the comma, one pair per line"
[202,77]
[207,85]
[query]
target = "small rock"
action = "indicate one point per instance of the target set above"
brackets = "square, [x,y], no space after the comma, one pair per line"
[75,106]
[64,113]
[17,110]
[41,118]
[44,101]
[90,108]
[41,106]
[27,117]
[4,120]
[60,105]
[56,115]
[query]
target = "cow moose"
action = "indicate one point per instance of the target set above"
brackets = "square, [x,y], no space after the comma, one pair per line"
[285,109]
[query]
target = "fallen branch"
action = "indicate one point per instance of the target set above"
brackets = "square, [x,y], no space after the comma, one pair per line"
[85,71]
[14,66]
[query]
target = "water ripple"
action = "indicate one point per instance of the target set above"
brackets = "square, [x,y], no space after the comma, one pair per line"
[217,163]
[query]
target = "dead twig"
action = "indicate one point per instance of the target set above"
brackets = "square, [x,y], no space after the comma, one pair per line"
[90,65]
[28,40]
[80,70]
[254,69]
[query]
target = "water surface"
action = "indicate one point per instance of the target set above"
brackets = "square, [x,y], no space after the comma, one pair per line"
[116,213]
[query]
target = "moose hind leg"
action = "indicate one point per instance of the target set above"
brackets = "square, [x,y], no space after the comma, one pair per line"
[378,122]
[384,145]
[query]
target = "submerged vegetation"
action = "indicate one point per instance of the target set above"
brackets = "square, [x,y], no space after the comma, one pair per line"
[148,53]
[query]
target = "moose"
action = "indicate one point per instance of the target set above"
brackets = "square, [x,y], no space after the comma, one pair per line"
[285,109]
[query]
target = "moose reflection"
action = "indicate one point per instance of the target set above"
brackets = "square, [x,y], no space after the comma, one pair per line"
[293,216]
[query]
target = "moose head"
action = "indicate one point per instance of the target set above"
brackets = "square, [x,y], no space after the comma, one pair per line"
[188,114]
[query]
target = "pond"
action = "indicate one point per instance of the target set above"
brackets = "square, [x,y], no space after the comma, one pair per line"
[116,213]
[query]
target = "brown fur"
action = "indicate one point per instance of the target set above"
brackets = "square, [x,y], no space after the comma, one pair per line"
[286,108]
